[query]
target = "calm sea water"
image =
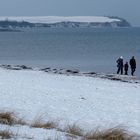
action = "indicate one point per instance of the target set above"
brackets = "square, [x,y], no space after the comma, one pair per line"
[85,49]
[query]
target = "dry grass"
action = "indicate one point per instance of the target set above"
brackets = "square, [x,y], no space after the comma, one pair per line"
[74,130]
[110,134]
[6,134]
[9,118]
[40,123]
[71,131]
[21,122]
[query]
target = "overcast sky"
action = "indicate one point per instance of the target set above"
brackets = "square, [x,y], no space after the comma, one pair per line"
[128,9]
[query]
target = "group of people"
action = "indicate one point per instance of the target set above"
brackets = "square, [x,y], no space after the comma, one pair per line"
[121,66]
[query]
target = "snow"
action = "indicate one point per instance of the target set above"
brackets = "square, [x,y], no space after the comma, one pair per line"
[86,101]
[56,19]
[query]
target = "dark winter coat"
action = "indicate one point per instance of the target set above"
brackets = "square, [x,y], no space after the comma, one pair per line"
[126,67]
[133,63]
[120,63]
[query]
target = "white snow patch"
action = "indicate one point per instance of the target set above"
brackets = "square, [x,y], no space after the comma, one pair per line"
[56,19]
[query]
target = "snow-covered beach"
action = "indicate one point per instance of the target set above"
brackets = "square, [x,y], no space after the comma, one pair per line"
[88,100]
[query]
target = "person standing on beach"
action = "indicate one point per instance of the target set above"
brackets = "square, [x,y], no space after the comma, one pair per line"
[126,66]
[120,65]
[132,63]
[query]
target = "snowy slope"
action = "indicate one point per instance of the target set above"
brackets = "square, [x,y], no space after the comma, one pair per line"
[86,101]
[56,19]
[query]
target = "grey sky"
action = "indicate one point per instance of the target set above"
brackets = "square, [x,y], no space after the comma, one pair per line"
[128,9]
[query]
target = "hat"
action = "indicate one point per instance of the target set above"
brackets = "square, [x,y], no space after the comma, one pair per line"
[121,57]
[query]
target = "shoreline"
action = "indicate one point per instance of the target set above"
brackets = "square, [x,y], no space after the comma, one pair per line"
[76,72]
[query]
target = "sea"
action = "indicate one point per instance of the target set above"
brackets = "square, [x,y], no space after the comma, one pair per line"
[85,49]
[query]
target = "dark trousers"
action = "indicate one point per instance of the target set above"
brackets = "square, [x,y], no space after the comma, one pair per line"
[120,69]
[132,71]
[126,72]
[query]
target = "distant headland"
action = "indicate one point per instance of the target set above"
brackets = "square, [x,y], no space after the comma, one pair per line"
[59,22]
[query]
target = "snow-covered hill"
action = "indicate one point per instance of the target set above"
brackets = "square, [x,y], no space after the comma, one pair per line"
[75,21]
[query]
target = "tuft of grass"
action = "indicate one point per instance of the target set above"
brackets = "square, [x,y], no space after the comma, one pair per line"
[74,130]
[110,134]
[40,123]
[9,118]
[21,122]
[5,134]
